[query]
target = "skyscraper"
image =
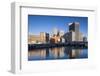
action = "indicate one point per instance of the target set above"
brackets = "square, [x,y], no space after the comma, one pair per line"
[74,28]
[74,34]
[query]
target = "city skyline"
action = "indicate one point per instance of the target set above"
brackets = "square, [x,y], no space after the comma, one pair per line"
[57,37]
[42,23]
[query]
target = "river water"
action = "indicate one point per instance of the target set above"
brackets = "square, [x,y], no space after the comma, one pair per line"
[57,53]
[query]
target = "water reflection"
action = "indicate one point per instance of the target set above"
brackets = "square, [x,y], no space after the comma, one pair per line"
[57,53]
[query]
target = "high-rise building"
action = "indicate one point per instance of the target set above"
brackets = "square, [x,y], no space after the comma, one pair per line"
[74,31]
[74,26]
[74,34]
[80,36]
[69,36]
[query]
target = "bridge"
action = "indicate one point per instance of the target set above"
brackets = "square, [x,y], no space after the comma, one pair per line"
[53,45]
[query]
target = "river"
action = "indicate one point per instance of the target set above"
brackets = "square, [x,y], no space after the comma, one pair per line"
[57,53]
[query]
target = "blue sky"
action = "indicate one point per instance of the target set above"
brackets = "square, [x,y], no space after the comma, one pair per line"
[42,23]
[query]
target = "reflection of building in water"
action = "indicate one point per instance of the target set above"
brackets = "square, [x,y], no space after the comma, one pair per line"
[74,34]
[37,53]
[54,52]
[44,53]
[42,38]
[75,53]
[61,52]
[72,53]
[57,52]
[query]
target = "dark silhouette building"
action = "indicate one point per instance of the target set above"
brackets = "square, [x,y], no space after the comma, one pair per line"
[74,27]
[47,37]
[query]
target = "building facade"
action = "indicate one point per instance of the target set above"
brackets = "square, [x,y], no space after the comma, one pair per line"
[36,39]
[74,34]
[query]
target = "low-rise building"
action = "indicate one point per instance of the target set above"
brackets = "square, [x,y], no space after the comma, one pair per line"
[38,39]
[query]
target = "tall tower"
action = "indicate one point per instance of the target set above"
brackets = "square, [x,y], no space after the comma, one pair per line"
[74,27]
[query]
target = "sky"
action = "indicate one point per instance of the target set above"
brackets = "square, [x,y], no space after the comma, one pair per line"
[44,23]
